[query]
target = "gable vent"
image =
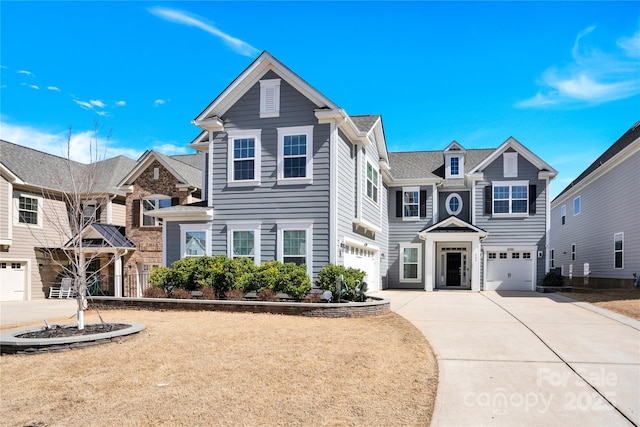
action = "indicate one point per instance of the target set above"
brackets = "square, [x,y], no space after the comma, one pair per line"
[269,98]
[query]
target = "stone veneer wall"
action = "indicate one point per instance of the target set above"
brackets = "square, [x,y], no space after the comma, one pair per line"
[333,310]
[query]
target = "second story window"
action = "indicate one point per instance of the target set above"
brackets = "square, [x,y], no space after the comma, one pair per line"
[295,161]
[511,198]
[563,214]
[28,210]
[411,203]
[244,158]
[455,166]
[149,205]
[453,204]
[576,206]
[372,183]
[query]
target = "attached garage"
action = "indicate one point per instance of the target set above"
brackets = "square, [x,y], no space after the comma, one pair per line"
[13,280]
[366,259]
[509,271]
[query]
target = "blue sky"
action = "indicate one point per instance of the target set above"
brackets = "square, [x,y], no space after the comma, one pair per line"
[563,78]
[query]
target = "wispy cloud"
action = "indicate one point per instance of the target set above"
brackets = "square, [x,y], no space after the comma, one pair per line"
[54,88]
[26,73]
[96,103]
[185,18]
[158,102]
[83,104]
[36,87]
[169,149]
[121,103]
[55,142]
[592,77]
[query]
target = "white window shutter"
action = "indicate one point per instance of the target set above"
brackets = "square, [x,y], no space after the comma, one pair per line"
[270,98]
[510,163]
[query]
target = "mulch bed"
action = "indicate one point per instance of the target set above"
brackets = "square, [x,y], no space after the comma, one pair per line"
[58,331]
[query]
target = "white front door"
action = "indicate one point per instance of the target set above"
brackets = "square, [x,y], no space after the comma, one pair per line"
[13,277]
[365,259]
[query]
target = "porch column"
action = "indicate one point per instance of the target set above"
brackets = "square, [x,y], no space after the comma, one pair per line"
[475,264]
[429,267]
[117,280]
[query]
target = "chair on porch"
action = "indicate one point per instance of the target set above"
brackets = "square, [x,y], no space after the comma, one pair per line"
[65,290]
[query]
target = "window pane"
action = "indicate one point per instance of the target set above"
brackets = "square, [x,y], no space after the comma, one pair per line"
[298,260]
[454,204]
[410,271]
[243,148]
[410,255]
[28,210]
[243,169]
[410,197]
[618,244]
[519,192]
[195,242]
[295,145]
[454,166]
[618,260]
[243,243]
[164,203]
[294,242]
[501,206]
[295,167]
[519,206]
[500,192]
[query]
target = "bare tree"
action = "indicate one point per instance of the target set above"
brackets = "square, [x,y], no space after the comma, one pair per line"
[76,198]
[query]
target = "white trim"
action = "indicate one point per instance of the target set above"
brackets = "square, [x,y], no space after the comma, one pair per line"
[404,246]
[621,233]
[333,192]
[435,203]
[579,200]
[307,226]
[510,164]
[16,204]
[411,190]
[522,150]
[446,204]
[447,170]
[195,227]
[375,169]
[547,224]
[272,110]
[208,170]
[164,244]
[245,226]
[307,131]
[509,184]
[254,134]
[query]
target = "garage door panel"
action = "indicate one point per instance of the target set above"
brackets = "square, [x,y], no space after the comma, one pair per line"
[367,262]
[511,271]
[12,280]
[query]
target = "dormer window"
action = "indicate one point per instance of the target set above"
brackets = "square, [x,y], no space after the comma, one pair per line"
[454,161]
[269,98]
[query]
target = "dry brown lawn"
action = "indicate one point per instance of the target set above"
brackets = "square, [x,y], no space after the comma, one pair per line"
[211,368]
[623,301]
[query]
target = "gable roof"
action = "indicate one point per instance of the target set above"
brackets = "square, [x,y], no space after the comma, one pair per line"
[101,235]
[186,168]
[43,170]
[512,143]
[629,137]
[453,224]
[249,77]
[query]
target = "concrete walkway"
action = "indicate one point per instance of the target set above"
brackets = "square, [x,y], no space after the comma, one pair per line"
[526,359]
[15,312]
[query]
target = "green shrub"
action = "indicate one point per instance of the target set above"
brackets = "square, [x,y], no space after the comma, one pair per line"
[329,274]
[294,280]
[552,279]
[160,277]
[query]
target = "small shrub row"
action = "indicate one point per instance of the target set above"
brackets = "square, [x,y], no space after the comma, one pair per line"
[222,277]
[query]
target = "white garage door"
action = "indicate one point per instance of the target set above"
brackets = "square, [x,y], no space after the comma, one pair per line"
[12,280]
[366,260]
[509,271]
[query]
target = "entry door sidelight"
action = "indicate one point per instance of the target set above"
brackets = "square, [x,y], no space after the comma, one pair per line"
[454,267]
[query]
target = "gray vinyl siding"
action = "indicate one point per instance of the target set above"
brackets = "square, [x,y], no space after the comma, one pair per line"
[609,205]
[401,231]
[346,195]
[172,244]
[271,203]
[370,209]
[383,237]
[465,213]
[514,231]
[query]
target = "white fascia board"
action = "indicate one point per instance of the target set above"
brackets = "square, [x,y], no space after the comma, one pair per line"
[511,142]
[455,144]
[212,124]
[414,182]
[344,122]
[205,214]
[12,178]
[366,225]
[251,75]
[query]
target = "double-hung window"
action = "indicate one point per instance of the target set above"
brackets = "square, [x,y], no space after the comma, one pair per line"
[295,155]
[372,183]
[455,166]
[618,250]
[295,243]
[243,240]
[410,265]
[411,203]
[563,214]
[28,212]
[149,205]
[244,157]
[576,206]
[511,198]
[194,240]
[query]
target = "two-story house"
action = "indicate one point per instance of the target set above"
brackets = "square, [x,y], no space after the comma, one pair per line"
[595,220]
[40,218]
[290,176]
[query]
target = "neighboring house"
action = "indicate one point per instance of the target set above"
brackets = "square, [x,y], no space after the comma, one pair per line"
[290,176]
[155,182]
[35,217]
[595,220]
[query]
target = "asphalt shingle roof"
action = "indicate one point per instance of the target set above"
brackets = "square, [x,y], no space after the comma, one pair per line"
[429,164]
[184,167]
[364,123]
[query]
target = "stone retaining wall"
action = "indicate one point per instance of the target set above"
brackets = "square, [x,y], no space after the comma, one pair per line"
[352,309]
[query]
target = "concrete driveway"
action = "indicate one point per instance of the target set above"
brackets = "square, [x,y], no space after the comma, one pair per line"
[526,359]
[14,312]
